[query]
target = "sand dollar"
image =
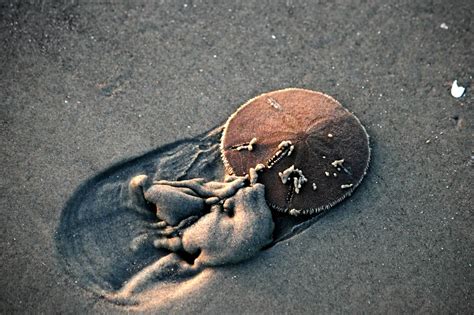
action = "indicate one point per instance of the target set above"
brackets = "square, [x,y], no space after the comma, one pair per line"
[315,152]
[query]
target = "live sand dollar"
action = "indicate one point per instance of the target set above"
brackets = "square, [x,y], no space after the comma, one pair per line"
[314,151]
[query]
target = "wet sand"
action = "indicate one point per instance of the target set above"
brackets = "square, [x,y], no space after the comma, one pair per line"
[86,86]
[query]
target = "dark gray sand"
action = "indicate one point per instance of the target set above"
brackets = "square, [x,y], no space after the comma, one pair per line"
[84,87]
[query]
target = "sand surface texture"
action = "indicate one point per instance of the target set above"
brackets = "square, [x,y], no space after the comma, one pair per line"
[84,87]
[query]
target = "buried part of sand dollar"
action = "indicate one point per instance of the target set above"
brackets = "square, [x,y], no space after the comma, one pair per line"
[155,223]
[315,151]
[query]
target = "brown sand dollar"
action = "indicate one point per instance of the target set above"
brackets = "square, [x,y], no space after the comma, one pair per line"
[314,151]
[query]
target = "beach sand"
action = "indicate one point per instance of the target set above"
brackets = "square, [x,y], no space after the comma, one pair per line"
[84,87]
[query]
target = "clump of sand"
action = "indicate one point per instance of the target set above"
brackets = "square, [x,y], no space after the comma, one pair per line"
[237,226]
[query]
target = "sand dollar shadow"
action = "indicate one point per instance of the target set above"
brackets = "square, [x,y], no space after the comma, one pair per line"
[103,239]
